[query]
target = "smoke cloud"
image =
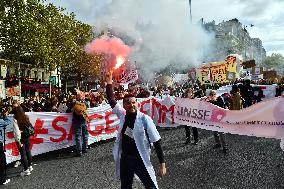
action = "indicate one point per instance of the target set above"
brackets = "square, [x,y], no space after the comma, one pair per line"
[159,32]
[112,47]
[108,45]
[266,16]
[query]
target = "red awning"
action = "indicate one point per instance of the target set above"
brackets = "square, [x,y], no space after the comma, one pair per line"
[36,87]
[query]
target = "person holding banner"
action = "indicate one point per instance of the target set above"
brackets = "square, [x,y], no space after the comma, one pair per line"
[189,94]
[80,124]
[247,93]
[160,93]
[135,135]
[219,137]
[22,137]
[4,121]
[236,100]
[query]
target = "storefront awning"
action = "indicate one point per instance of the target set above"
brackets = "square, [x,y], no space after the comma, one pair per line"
[36,87]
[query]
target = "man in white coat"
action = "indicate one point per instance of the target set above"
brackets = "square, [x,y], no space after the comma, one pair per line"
[132,146]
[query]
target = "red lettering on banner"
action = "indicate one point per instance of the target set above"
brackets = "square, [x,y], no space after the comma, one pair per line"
[98,128]
[108,122]
[162,109]
[142,106]
[38,130]
[58,128]
[12,146]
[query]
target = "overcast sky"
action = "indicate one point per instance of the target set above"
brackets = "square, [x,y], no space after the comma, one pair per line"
[267,16]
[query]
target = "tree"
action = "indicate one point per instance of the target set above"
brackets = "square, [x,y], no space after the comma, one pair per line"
[45,36]
[24,33]
[276,60]
[13,29]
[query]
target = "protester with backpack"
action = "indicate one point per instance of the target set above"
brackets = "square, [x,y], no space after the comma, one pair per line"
[23,129]
[218,136]
[80,124]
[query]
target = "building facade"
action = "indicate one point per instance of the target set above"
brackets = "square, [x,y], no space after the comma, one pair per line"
[231,37]
[24,70]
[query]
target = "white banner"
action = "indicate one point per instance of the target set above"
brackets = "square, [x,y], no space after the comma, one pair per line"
[264,119]
[161,110]
[269,91]
[53,131]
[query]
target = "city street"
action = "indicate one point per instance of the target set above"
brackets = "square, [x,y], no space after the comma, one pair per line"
[75,71]
[250,163]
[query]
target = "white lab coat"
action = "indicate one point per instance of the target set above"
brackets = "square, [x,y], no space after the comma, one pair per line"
[140,139]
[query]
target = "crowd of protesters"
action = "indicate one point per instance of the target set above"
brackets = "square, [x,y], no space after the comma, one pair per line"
[242,95]
[61,102]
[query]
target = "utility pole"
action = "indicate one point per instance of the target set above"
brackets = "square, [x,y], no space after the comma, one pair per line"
[189,2]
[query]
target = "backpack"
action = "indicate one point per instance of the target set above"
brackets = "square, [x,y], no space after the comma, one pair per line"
[80,110]
[28,131]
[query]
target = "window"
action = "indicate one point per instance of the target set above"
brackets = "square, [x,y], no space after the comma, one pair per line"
[28,73]
[35,72]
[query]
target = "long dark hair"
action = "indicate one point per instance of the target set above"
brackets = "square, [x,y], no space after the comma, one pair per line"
[22,119]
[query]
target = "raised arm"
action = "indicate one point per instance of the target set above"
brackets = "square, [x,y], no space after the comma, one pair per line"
[109,90]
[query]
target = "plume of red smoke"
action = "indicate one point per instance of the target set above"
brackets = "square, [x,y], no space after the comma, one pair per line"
[112,46]
[113,50]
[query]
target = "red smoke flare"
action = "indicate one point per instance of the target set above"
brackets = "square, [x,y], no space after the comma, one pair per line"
[112,46]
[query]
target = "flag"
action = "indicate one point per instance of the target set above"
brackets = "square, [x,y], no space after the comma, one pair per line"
[128,77]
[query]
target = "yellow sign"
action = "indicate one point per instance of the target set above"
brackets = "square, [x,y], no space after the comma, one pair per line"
[217,71]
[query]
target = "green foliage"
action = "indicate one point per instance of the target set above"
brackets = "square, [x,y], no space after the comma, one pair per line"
[43,35]
[276,60]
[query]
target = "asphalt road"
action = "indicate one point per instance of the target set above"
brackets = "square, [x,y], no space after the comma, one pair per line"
[250,163]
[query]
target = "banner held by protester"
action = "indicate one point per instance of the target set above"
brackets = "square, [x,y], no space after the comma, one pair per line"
[263,119]
[53,131]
